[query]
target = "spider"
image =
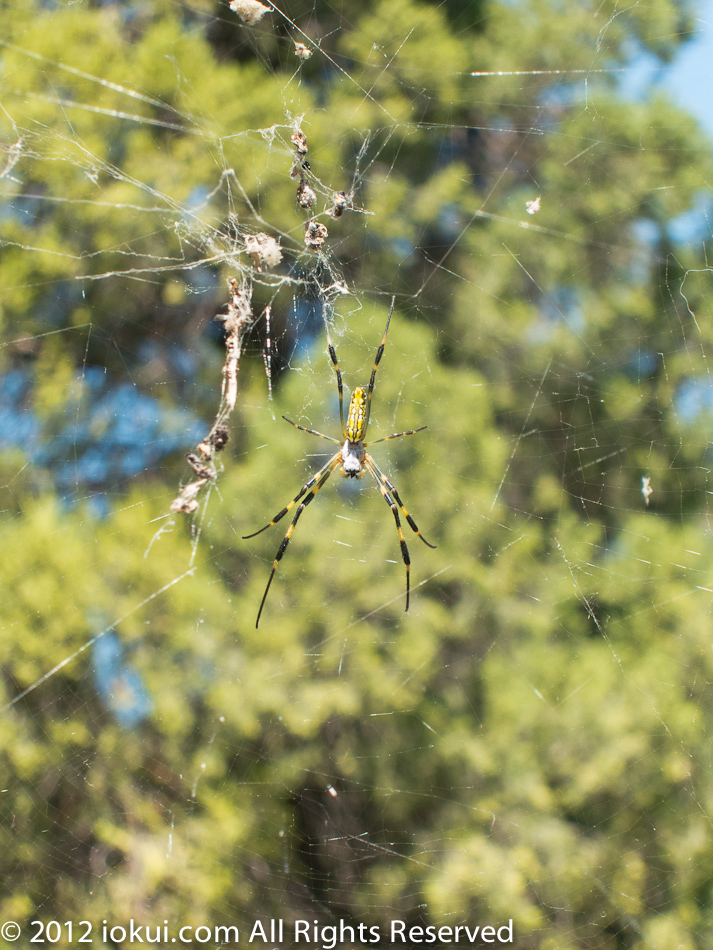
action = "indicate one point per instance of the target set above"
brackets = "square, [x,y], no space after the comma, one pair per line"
[353,461]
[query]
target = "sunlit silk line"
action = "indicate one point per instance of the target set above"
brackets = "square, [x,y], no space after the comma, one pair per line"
[524,225]
[117,87]
[116,114]
[510,130]
[92,640]
[528,226]
[521,435]
[386,603]
[27,339]
[548,72]
[90,201]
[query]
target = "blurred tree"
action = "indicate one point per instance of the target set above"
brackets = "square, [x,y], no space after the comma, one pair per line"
[529,743]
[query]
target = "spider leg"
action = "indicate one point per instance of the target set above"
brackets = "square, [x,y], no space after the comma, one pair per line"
[305,488]
[383,480]
[320,479]
[396,435]
[377,360]
[311,431]
[333,358]
[395,511]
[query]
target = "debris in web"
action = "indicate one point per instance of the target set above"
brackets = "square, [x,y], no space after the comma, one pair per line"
[315,234]
[237,321]
[340,203]
[299,140]
[264,250]
[300,165]
[267,352]
[305,195]
[646,489]
[302,51]
[249,11]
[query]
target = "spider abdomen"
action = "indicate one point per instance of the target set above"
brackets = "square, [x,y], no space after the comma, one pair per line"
[356,422]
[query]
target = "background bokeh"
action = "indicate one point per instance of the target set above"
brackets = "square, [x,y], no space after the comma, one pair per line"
[531,741]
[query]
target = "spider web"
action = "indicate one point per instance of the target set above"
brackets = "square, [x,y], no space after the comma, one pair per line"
[526,747]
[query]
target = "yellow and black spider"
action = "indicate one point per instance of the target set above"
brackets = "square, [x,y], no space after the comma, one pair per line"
[353,460]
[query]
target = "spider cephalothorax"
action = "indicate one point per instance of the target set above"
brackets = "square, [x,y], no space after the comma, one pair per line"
[353,461]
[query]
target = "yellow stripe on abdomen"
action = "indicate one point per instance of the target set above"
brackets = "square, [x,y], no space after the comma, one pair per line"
[357,415]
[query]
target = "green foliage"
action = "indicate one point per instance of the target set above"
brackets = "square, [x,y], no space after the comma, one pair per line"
[530,740]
